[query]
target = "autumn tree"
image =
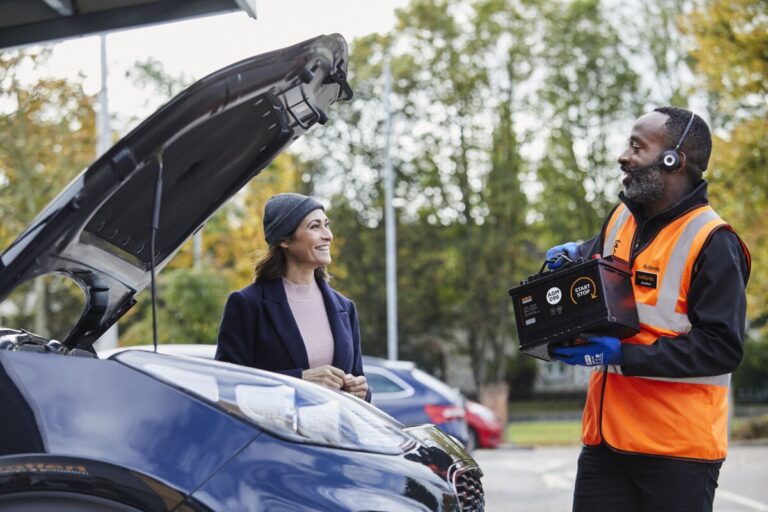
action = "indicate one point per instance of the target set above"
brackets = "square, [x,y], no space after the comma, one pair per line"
[48,136]
[48,128]
[731,59]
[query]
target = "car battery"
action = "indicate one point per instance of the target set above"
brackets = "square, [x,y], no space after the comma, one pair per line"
[584,297]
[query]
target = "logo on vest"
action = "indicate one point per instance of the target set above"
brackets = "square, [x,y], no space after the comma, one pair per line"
[583,289]
[646,279]
[554,295]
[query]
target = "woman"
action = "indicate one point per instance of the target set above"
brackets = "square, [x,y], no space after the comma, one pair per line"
[290,320]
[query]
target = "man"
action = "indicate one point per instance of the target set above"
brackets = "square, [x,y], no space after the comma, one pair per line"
[654,429]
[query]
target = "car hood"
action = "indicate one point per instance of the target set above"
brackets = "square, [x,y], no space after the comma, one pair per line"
[206,144]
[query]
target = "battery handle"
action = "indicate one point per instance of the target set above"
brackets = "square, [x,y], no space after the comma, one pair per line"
[565,257]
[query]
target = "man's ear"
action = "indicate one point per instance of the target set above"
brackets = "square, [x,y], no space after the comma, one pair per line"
[683,171]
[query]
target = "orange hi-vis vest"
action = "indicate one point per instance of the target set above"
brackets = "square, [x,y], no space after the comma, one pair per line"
[673,417]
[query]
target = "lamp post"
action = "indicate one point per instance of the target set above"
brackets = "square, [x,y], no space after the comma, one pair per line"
[103,143]
[389,221]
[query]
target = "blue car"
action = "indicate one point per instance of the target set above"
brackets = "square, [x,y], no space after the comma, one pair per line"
[414,397]
[146,431]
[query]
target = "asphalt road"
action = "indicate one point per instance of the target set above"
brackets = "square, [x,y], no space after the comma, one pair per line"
[541,479]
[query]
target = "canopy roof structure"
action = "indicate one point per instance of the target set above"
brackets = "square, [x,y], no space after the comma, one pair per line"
[25,22]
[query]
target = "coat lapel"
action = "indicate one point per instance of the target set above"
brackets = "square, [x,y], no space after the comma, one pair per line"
[276,303]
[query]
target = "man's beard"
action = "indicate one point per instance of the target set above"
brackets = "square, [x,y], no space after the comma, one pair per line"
[644,186]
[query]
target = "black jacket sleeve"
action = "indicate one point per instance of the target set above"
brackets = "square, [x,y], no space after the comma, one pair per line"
[717,310]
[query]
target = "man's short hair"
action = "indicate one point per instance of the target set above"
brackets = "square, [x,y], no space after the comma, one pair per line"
[697,145]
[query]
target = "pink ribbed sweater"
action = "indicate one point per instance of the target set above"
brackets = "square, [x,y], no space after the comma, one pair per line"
[308,308]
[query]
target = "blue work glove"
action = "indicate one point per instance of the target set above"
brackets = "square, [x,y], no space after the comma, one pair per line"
[568,249]
[599,350]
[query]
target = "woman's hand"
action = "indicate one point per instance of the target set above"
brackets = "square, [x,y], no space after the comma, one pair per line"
[328,376]
[357,386]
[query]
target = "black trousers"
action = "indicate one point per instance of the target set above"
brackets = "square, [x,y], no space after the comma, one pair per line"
[610,481]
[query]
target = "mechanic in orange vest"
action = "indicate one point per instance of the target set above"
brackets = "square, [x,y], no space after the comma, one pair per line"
[655,423]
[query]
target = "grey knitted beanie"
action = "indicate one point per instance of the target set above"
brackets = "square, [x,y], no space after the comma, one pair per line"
[283,212]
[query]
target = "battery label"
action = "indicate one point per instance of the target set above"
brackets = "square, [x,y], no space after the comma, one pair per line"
[530,309]
[583,289]
[554,295]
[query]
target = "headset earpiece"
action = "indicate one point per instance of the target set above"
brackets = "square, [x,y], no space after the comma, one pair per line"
[670,159]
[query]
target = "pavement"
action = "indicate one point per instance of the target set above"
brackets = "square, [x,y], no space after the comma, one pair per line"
[541,479]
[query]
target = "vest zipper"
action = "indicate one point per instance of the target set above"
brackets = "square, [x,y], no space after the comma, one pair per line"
[635,247]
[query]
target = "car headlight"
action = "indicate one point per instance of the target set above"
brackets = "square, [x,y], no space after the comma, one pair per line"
[283,406]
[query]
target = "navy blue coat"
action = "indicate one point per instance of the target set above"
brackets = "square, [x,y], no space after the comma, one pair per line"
[258,330]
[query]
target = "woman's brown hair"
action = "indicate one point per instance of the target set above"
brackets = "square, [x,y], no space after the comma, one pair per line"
[273,265]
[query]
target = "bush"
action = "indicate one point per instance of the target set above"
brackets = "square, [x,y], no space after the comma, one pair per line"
[752,428]
[750,380]
[189,310]
[521,375]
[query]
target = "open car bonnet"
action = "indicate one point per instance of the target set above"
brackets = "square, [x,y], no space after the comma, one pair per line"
[206,143]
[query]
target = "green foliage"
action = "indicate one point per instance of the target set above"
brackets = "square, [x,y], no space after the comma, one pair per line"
[731,58]
[470,78]
[521,374]
[191,302]
[751,429]
[48,136]
[504,116]
[750,380]
[588,89]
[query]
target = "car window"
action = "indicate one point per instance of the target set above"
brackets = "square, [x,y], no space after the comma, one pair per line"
[49,306]
[381,384]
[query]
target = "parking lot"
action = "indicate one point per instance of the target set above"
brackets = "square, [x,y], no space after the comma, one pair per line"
[541,479]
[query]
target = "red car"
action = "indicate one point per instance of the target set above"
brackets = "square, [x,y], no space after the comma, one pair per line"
[485,429]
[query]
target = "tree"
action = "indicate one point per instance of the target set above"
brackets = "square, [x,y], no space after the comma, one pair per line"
[48,129]
[588,89]
[731,59]
[189,299]
[475,92]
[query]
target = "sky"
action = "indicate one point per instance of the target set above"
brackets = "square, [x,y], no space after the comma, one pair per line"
[196,47]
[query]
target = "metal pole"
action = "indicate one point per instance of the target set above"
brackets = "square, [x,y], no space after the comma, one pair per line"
[389,219]
[103,143]
[197,250]
[104,137]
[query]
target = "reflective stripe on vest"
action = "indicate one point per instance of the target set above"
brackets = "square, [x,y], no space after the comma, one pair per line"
[663,313]
[613,230]
[675,417]
[716,380]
